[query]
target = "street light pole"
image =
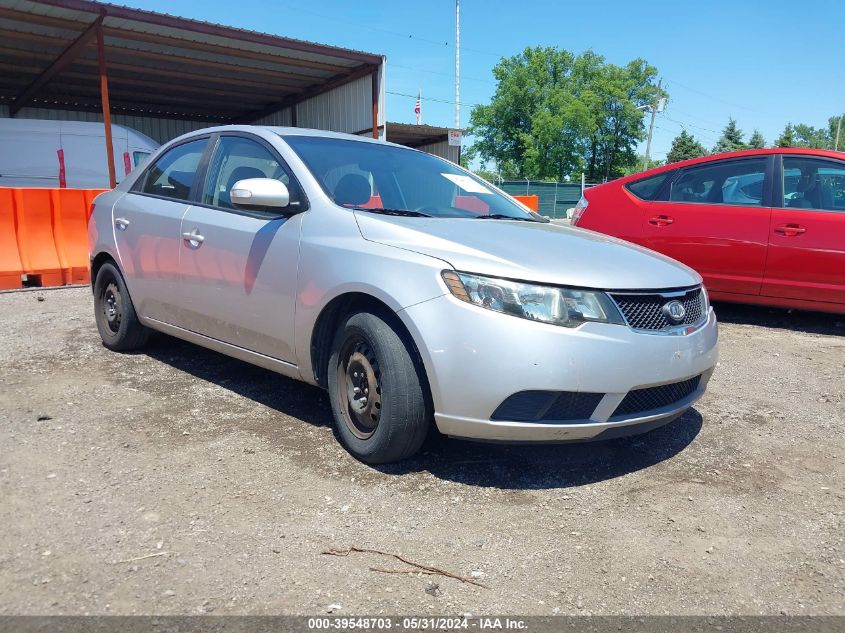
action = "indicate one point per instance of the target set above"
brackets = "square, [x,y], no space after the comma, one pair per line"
[457,64]
[838,129]
[651,125]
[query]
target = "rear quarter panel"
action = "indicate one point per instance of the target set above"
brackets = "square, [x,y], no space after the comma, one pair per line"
[613,210]
[100,227]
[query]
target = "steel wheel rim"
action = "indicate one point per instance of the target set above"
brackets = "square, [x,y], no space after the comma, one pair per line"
[359,387]
[112,307]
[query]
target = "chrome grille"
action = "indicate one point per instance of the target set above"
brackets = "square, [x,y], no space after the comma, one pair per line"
[645,311]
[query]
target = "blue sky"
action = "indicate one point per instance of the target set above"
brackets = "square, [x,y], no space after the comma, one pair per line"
[764,62]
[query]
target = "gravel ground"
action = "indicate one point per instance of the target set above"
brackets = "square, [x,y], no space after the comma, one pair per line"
[180,481]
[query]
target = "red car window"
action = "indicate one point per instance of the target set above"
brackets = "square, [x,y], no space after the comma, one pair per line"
[736,183]
[811,183]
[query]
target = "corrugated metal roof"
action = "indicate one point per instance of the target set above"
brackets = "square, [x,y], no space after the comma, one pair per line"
[186,28]
[416,135]
[163,65]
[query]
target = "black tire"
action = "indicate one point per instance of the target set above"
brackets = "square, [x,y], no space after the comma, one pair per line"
[370,354]
[117,321]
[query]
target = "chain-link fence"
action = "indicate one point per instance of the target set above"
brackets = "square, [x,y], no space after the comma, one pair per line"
[555,197]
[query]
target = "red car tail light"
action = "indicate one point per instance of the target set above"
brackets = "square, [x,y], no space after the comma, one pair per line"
[579,210]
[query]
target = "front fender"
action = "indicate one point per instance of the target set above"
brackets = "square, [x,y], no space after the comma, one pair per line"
[340,262]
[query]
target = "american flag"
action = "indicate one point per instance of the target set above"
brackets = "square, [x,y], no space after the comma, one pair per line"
[418,108]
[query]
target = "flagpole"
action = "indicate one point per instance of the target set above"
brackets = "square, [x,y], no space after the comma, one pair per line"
[457,64]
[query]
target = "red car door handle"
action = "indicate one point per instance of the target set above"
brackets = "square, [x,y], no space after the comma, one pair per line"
[660,220]
[790,230]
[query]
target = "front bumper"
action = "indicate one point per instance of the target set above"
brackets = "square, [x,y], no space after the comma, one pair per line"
[475,358]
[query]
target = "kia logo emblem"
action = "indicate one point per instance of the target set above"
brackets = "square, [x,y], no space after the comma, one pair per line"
[675,312]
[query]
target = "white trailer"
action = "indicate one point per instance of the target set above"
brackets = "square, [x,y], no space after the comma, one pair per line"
[47,153]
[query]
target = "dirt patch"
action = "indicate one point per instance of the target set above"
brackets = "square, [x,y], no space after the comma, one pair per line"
[228,480]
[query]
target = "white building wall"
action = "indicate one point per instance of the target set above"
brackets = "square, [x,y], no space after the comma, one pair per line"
[347,108]
[442,149]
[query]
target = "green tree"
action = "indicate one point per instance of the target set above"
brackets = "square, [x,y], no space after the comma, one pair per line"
[731,139]
[467,156]
[637,165]
[555,114]
[685,146]
[809,136]
[757,141]
[522,128]
[802,135]
[615,97]
[787,137]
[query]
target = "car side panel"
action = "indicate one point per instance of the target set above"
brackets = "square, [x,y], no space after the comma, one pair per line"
[809,266]
[335,260]
[779,302]
[726,244]
[148,252]
[239,284]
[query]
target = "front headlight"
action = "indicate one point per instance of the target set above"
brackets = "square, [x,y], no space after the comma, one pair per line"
[569,307]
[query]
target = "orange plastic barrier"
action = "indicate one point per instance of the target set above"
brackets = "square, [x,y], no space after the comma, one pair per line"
[532,201]
[48,236]
[373,203]
[71,208]
[10,259]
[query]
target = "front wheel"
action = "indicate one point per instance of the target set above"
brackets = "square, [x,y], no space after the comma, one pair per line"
[377,391]
[117,322]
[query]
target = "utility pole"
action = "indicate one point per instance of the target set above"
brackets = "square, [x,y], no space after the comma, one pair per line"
[654,107]
[457,64]
[838,129]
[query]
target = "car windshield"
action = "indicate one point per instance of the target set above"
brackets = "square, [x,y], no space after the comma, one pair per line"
[392,180]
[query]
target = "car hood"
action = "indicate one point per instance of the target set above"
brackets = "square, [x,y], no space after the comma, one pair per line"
[531,251]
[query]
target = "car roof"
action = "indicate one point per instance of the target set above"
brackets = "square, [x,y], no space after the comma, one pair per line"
[803,151]
[288,131]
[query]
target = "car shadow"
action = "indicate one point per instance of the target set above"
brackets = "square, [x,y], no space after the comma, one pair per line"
[781,318]
[285,395]
[542,466]
[505,466]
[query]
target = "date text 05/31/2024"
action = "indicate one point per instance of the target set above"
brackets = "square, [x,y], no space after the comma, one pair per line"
[417,623]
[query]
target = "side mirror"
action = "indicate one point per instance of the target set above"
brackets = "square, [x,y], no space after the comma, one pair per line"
[260,193]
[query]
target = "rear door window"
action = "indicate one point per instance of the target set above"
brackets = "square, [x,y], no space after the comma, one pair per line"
[172,175]
[813,183]
[735,183]
[648,188]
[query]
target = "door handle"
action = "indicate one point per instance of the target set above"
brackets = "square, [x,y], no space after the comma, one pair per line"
[121,223]
[790,230]
[193,237]
[660,220]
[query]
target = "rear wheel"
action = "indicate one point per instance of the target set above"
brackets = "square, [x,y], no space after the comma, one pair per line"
[117,321]
[377,391]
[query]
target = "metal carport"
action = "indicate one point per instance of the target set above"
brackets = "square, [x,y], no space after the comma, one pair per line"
[165,75]
[428,138]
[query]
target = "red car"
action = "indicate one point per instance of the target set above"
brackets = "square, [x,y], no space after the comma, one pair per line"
[762,226]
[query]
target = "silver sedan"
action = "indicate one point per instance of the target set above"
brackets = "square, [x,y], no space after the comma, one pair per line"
[413,291]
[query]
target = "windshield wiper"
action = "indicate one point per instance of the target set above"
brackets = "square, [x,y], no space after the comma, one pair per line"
[502,216]
[402,212]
